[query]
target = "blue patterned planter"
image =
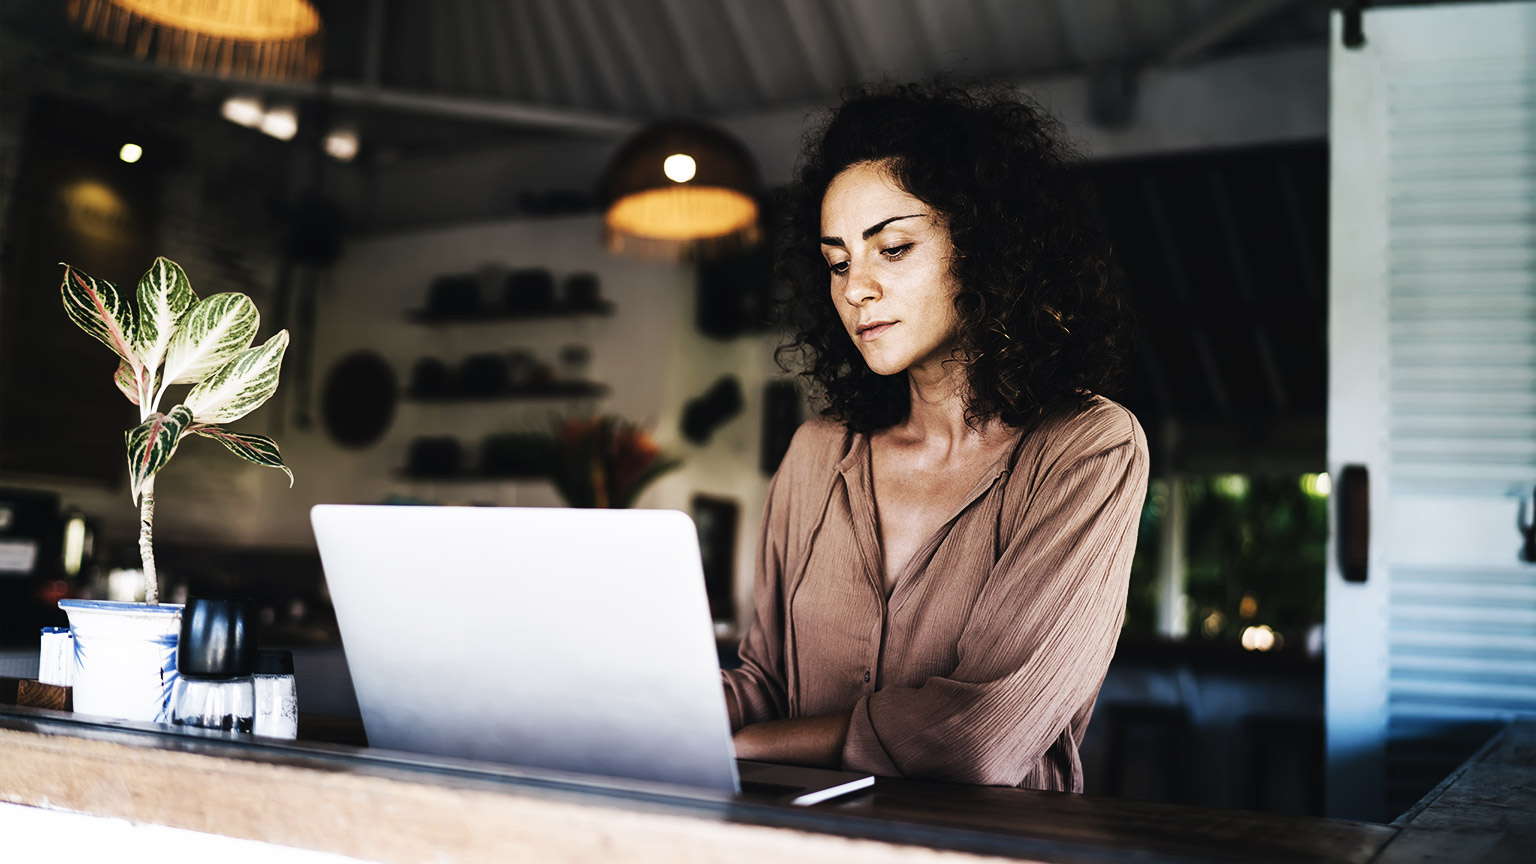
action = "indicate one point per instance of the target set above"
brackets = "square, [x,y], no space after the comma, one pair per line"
[125,658]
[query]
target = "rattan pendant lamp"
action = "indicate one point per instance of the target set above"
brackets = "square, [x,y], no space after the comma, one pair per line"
[268,39]
[681,190]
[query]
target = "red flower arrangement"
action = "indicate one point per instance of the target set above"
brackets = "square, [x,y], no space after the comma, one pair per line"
[605,461]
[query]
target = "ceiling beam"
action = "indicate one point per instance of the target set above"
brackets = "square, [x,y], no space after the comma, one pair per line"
[749,47]
[474,47]
[558,39]
[801,21]
[1232,21]
[500,31]
[703,97]
[848,36]
[373,52]
[440,37]
[386,99]
[638,60]
[1069,56]
[539,87]
[599,54]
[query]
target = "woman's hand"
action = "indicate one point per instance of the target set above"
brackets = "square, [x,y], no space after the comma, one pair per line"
[816,741]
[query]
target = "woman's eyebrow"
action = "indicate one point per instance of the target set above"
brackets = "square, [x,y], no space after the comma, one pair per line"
[871,230]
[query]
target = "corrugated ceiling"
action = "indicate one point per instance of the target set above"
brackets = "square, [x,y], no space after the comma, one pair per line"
[644,58]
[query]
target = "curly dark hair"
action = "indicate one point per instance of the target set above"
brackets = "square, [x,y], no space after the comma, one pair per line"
[1042,324]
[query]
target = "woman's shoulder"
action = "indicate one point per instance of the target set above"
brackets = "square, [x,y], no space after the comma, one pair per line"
[819,444]
[1079,431]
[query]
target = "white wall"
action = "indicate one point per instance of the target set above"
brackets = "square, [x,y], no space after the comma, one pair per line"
[649,353]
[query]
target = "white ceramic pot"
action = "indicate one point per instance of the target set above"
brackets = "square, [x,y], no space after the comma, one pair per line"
[125,658]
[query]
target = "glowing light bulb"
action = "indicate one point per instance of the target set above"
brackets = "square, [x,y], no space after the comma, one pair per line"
[244,110]
[281,123]
[679,167]
[341,144]
[130,153]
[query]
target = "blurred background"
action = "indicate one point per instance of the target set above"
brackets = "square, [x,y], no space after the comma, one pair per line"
[420,194]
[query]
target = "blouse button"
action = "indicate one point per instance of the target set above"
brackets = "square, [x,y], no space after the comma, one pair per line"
[866,676]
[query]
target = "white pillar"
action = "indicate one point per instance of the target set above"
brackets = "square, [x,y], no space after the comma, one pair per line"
[1172,614]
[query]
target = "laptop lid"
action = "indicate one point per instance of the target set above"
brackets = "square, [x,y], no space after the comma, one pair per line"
[574,640]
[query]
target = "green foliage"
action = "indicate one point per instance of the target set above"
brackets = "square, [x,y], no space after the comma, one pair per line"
[152,443]
[1266,538]
[1258,536]
[205,342]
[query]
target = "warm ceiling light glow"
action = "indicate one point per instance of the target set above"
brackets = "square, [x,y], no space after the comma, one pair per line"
[683,213]
[276,39]
[281,123]
[94,210]
[679,167]
[130,153]
[244,110]
[341,144]
[681,190]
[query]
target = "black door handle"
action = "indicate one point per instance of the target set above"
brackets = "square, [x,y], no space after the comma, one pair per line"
[1528,528]
[1354,513]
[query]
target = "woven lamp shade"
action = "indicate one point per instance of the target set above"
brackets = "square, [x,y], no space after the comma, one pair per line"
[268,39]
[713,212]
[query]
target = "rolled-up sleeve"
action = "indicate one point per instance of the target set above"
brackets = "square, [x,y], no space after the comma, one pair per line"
[1037,643]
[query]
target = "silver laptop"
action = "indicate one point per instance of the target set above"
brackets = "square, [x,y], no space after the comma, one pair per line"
[572,640]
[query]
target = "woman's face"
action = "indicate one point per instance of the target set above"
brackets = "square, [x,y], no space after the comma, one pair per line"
[889,256]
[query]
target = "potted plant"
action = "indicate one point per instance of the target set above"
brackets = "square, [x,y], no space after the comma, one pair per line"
[126,652]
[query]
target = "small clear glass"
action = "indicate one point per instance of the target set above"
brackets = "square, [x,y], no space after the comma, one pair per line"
[277,706]
[214,703]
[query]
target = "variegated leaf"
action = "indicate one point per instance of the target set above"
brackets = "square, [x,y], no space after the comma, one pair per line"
[214,330]
[151,444]
[252,448]
[101,311]
[127,380]
[241,385]
[164,295]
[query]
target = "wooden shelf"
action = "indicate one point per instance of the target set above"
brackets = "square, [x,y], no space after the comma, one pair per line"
[562,390]
[601,309]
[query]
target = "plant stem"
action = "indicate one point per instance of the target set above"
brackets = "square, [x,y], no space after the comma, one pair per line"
[146,539]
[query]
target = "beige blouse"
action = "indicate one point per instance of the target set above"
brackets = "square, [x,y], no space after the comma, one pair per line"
[983,664]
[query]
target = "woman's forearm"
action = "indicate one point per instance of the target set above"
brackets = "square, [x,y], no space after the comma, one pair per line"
[814,741]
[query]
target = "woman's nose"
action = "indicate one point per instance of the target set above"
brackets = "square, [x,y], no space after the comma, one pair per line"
[861,287]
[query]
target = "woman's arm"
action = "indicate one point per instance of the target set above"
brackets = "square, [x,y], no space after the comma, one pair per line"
[759,689]
[816,741]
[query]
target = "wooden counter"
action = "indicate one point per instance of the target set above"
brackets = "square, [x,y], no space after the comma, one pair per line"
[394,807]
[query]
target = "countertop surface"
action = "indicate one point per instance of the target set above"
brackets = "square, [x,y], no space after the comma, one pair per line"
[380,805]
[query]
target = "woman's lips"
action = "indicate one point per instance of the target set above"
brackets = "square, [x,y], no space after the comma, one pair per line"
[875,332]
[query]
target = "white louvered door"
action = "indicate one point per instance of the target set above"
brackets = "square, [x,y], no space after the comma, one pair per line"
[1432,387]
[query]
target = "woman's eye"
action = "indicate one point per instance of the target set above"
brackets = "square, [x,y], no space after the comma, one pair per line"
[895,252]
[838,267]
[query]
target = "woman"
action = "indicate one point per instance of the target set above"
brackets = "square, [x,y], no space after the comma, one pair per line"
[944,560]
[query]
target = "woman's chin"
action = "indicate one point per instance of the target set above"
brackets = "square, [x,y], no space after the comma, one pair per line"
[881,365]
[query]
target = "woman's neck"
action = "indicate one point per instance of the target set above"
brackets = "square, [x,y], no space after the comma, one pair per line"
[937,414]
